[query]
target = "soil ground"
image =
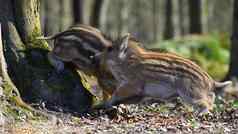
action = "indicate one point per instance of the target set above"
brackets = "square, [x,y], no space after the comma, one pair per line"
[138,119]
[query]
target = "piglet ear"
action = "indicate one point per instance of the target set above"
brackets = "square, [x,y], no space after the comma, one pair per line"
[123,46]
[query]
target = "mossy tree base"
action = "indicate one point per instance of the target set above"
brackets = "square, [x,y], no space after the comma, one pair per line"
[26,63]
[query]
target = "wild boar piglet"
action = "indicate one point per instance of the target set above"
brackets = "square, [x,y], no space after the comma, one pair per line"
[141,74]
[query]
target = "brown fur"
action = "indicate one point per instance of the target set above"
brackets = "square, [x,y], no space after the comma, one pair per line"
[158,75]
[140,69]
[67,51]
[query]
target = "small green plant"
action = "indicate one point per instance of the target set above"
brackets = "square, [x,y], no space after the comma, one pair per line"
[194,124]
[235,104]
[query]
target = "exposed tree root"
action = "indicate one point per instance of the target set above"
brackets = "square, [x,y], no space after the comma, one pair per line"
[10,89]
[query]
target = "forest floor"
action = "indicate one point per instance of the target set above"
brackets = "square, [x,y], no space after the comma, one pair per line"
[139,119]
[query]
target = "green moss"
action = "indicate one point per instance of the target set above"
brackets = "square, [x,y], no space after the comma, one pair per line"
[84,81]
[7,89]
[21,46]
[32,42]
[19,113]
[9,105]
[34,66]
[10,112]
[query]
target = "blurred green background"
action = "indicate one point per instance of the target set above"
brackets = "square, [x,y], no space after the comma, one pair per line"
[210,51]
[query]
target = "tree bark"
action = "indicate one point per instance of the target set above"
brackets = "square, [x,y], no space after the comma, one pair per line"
[78,11]
[104,16]
[195,26]
[66,14]
[233,71]
[96,11]
[181,16]
[155,20]
[27,19]
[52,17]
[169,28]
[10,90]
[27,61]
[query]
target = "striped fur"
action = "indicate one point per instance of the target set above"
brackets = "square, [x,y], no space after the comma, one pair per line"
[158,75]
[85,32]
[78,45]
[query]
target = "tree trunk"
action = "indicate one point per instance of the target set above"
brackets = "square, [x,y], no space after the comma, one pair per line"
[219,16]
[181,16]
[104,16]
[52,17]
[27,60]
[56,15]
[155,20]
[77,10]
[96,11]
[169,28]
[121,13]
[195,26]
[66,18]
[233,71]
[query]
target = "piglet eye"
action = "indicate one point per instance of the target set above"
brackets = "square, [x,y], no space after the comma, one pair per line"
[91,57]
